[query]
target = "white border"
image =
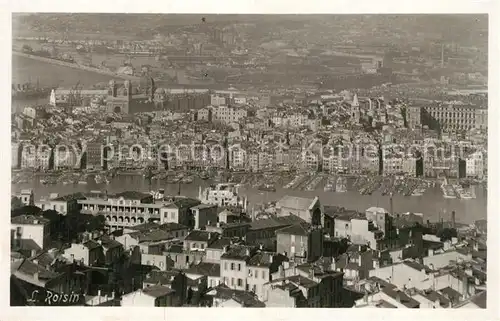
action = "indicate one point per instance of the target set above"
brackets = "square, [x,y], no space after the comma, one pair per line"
[256,6]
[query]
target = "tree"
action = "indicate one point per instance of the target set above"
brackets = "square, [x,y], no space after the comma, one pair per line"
[15,202]
[26,210]
[95,223]
[446,234]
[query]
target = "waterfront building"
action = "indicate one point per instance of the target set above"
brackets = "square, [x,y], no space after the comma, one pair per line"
[222,195]
[308,209]
[36,228]
[475,165]
[27,197]
[65,159]
[35,157]
[129,209]
[450,117]
[94,155]
[62,204]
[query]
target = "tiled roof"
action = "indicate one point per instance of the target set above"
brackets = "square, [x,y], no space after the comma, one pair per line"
[157,291]
[91,244]
[275,222]
[295,202]
[205,268]
[202,236]
[480,300]
[29,219]
[238,252]
[29,268]
[296,229]
[131,195]
[220,243]
[25,244]
[109,243]
[246,299]
[173,227]
[161,277]
[403,297]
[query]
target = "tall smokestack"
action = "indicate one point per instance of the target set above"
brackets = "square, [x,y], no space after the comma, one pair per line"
[391,208]
[453,224]
[442,56]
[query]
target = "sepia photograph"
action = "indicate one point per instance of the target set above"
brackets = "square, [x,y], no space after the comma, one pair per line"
[249,160]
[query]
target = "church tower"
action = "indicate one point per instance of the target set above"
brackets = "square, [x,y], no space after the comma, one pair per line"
[355,110]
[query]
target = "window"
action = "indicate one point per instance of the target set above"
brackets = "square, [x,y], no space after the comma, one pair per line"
[161,265]
[232,266]
[187,258]
[225,266]
[239,267]
[240,282]
[202,246]
[263,274]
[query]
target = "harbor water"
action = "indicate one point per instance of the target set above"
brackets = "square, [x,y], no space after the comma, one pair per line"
[432,203]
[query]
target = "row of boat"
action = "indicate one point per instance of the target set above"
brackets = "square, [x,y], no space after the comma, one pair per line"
[313,183]
[454,191]
[338,185]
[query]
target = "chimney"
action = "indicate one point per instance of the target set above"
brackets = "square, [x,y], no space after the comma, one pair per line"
[391,205]
[430,252]
[311,273]
[209,236]
[398,297]
[247,252]
[35,276]
[261,247]
[270,259]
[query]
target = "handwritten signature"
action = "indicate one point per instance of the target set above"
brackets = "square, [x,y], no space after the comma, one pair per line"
[52,298]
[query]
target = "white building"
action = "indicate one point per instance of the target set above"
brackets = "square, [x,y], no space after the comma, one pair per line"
[222,195]
[475,165]
[153,296]
[227,114]
[32,228]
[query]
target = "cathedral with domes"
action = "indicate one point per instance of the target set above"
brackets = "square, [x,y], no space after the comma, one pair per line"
[127,99]
[145,97]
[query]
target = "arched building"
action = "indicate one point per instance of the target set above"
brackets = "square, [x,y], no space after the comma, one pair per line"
[125,99]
